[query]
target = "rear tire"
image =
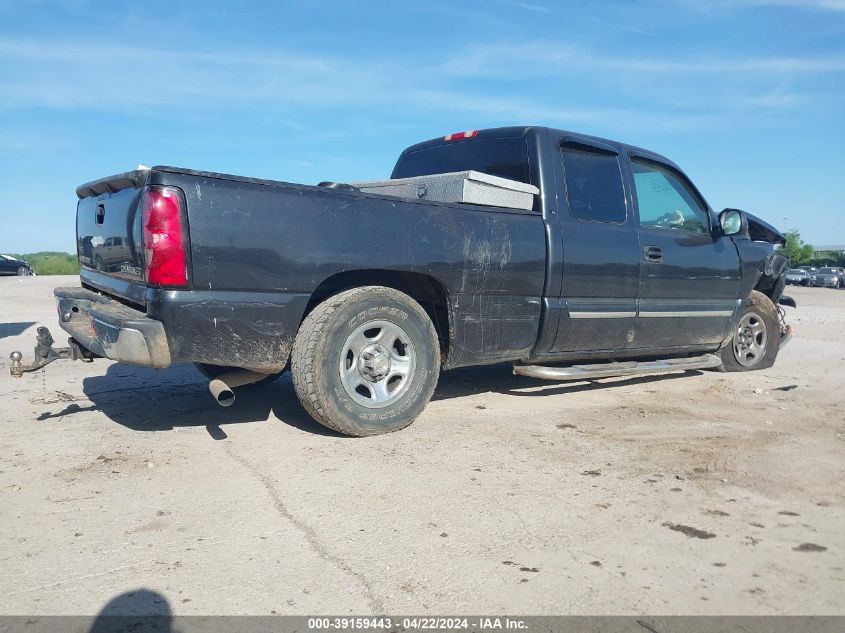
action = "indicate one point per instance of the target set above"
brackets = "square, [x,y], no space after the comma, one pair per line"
[213,371]
[756,338]
[366,361]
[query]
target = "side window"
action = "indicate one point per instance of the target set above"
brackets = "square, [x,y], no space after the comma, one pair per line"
[593,184]
[665,201]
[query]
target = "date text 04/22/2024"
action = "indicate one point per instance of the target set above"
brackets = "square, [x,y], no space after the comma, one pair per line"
[417,623]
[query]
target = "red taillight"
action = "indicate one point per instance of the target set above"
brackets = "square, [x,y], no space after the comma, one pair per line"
[164,238]
[457,136]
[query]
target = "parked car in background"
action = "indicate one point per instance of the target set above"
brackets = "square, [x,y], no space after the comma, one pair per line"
[798,277]
[11,266]
[827,277]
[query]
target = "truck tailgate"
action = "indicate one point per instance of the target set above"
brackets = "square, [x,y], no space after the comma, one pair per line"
[109,233]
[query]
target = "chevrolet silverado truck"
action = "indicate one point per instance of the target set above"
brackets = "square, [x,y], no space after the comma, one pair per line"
[620,267]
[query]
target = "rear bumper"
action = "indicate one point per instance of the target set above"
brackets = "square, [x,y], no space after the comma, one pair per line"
[111,329]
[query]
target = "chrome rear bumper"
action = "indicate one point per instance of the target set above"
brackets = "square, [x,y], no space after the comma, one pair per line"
[111,329]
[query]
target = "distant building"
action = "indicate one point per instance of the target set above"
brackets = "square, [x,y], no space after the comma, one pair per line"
[834,250]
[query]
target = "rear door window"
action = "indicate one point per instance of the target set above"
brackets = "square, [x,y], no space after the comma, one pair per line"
[593,184]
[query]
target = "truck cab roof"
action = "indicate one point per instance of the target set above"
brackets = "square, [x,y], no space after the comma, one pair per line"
[515,131]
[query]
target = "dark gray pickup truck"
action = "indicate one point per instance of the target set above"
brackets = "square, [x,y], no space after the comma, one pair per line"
[620,267]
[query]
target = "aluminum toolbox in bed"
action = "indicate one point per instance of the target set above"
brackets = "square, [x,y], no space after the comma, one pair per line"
[472,187]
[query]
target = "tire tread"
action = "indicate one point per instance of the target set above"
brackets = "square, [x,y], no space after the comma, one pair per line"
[312,336]
[768,310]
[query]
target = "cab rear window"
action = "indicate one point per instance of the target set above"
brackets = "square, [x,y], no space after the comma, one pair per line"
[503,157]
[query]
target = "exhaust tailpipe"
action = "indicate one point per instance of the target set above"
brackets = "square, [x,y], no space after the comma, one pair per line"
[223,387]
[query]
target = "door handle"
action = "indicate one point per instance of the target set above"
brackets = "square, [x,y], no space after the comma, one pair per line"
[653,254]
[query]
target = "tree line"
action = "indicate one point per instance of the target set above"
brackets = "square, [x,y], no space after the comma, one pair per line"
[51,262]
[800,253]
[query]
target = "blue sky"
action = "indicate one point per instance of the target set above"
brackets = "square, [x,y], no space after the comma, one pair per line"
[748,96]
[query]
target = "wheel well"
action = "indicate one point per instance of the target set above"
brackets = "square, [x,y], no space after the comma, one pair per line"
[771,286]
[772,277]
[424,289]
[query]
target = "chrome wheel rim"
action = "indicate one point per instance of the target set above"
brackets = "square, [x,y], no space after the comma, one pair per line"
[22,272]
[377,363]
[750,340]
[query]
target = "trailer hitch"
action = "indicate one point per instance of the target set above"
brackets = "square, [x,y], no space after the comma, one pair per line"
[45,354]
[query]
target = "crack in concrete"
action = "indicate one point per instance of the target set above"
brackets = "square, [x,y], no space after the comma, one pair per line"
[75,579]
[376,604]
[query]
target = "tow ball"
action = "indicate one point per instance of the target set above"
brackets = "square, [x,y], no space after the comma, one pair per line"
[45,354]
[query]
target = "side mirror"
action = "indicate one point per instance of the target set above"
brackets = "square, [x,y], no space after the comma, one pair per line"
[731,221]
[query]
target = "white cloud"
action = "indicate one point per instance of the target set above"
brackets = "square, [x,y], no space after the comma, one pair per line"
[528,6]
[828,5]
[710,6]
[281,84]
[68,75]
[546,58]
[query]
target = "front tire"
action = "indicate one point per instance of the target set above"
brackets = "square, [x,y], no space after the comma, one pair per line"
[756,338]
[23,271]
[366,361]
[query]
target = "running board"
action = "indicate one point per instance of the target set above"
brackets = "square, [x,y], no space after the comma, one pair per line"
[608,370]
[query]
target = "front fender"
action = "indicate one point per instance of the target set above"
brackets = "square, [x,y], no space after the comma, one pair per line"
[762,268]
[772,278]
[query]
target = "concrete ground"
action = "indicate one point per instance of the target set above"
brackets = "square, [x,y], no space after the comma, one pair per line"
[701,493]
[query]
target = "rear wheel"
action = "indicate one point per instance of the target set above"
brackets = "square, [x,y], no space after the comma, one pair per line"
[756,339]
[366,361]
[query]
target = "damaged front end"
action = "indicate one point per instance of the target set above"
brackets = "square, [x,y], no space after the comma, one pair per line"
[772,279]
[764,267]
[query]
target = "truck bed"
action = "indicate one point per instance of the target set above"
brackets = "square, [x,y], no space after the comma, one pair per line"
[260,249]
